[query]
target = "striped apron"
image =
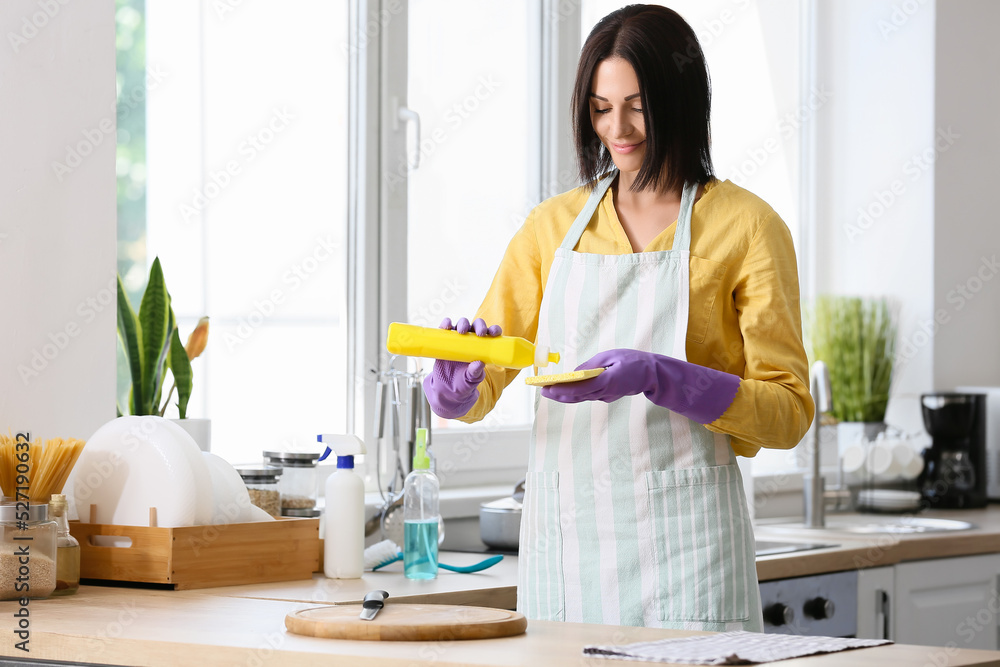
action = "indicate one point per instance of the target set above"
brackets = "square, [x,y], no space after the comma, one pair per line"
[633,514]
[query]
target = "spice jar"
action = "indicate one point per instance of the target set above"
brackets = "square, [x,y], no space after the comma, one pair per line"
[298,485]
[27,551]
[67,549]
[262,485]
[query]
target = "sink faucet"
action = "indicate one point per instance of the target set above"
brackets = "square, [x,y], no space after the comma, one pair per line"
[814,490]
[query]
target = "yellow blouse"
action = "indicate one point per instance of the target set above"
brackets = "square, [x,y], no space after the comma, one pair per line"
[743,317]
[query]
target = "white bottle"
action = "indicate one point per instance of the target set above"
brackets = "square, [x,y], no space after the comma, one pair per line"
[344,532]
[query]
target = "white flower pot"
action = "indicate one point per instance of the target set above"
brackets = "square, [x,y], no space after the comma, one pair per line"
[848,433]
[199,429]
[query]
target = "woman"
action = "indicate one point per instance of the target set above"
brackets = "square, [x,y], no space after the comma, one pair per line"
[685,289]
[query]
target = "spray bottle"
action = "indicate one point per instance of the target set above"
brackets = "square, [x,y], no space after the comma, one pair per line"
[420,515]
[344,532]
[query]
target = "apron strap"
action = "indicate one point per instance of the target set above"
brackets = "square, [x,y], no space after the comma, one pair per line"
[583,219]
[682,235]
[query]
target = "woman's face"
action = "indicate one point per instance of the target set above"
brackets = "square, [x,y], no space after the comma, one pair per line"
[616,113]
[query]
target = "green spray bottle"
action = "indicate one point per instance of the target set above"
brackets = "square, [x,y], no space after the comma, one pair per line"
[421,514]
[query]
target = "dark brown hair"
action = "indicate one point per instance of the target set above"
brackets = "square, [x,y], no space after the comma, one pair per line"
[674,88]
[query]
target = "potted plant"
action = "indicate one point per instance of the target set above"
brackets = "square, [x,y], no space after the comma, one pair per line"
[151,343]
[856,337]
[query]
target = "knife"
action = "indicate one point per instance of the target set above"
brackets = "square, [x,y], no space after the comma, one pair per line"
[372,603]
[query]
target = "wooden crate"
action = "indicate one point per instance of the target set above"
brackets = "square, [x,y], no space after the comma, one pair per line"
[202,556]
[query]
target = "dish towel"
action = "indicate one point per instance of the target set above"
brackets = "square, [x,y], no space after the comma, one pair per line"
[729,648]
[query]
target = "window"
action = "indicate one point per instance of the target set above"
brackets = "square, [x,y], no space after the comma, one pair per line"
[266,162]
[246,206]
[471,191]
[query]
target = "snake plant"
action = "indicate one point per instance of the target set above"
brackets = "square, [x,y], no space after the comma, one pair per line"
[152,346]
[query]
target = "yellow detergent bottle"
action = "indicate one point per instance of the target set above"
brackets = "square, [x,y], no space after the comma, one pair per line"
[449,345]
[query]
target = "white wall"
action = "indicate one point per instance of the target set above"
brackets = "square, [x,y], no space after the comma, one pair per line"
[875,206]
[57,223]
[967,224]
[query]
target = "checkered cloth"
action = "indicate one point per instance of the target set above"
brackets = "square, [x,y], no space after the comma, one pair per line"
[729,648]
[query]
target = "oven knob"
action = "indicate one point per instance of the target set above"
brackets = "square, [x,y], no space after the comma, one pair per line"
[779,614]
[819,608]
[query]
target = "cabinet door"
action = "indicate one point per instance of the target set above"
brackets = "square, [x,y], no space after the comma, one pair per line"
[948,601]
[875,597]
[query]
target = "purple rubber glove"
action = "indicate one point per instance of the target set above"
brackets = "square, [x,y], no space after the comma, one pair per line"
[452,388]
[696,392]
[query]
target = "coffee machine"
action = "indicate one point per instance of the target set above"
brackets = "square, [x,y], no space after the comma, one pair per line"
[954,475]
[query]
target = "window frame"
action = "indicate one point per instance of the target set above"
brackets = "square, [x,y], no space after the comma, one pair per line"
[378,214]
[483,454]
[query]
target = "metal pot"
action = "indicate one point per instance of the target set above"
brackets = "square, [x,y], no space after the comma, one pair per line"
[500,520]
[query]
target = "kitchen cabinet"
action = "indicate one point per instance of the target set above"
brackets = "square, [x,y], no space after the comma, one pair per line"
[947,602]
[875,598]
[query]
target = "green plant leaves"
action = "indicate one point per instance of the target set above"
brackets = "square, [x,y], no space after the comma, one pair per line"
[152,344]
[155,321]
[180,366]
[857,339]
[129,333]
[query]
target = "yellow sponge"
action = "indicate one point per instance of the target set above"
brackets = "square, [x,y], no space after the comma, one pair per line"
[558,378]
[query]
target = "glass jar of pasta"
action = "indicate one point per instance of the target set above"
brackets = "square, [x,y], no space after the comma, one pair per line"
[27,550]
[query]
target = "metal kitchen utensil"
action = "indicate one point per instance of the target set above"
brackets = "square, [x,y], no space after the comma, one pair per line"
[373,602]
[500,520]
[395,444]
[379,426]
[375,523]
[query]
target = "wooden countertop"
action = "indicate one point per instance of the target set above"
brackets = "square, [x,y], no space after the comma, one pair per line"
[245,624]
[493,587]
[857,551]
[150,627]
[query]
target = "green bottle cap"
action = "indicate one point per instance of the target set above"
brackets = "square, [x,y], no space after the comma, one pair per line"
[420,459]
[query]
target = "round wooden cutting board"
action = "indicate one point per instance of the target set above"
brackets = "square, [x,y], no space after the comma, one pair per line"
[407,622]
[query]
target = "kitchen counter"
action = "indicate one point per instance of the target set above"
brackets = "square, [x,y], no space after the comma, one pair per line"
[149,627]
[493,587]
[245,624]
[857,551]
[497,586]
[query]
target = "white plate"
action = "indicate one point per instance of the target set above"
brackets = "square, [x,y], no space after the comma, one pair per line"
[132,464]
[203,505]
[230,498]
[257,514]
